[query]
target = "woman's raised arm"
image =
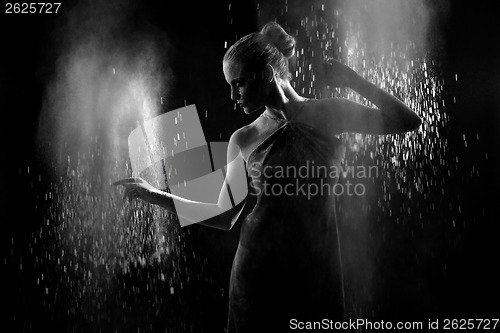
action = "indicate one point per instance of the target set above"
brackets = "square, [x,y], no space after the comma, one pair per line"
[390,116]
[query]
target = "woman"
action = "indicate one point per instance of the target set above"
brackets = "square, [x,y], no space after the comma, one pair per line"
[287,265]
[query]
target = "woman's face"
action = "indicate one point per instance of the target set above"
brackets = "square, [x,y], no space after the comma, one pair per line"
[248,89]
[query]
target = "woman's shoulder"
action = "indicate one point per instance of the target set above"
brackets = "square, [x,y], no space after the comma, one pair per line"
[243,136]
[239,136]
[310,107]
[312,104]
[324,115]
[249,136]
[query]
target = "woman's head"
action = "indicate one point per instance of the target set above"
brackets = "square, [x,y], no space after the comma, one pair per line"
[271,46]
[247,64]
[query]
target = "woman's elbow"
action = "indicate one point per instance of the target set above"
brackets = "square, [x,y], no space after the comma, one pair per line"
[409,124]
[413,123]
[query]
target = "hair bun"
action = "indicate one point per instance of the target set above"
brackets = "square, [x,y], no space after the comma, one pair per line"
[279,38]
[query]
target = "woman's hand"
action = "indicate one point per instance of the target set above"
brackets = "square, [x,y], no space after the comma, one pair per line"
[136,187]
[334,73]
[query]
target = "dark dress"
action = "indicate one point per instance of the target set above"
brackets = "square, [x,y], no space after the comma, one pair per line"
[287,265]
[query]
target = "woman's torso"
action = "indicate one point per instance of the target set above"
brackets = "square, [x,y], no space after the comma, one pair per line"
[287,262]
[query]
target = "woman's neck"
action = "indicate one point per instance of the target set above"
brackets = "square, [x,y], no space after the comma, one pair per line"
[283,96]
[290,93]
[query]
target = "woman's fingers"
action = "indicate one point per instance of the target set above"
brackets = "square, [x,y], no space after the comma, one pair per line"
[130,194]
[135,188]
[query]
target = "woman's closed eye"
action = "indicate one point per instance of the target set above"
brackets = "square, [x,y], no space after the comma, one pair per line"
[239,84]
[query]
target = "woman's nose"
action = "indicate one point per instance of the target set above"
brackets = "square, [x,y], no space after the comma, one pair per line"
[235,95]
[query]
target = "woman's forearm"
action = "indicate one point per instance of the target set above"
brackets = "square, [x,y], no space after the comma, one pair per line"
[163,199]
[197,212]
[389,105]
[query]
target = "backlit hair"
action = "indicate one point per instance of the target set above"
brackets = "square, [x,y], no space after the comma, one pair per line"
[271,46]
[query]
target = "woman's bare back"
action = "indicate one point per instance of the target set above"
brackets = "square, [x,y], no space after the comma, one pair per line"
[260,129]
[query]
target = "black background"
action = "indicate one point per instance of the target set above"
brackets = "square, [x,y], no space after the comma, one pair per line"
[469,47]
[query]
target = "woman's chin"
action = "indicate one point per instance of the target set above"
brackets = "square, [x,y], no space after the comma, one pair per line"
[251,109]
